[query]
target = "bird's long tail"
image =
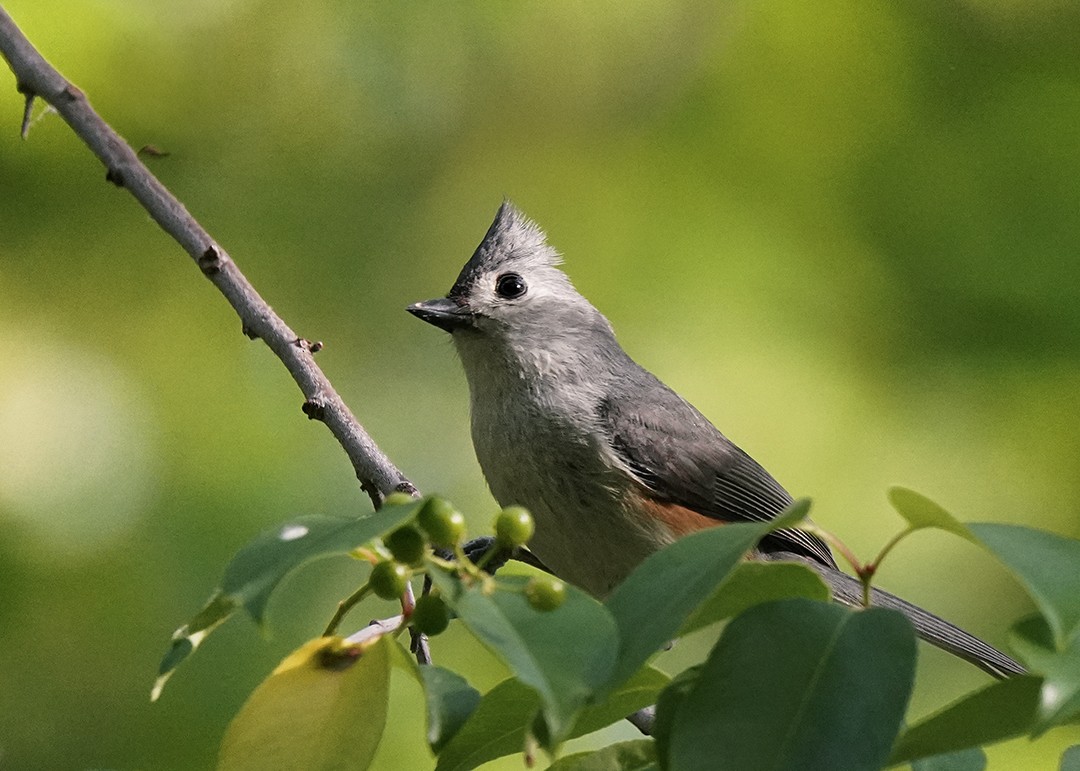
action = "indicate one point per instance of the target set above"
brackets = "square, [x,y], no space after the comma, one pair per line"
[936,631]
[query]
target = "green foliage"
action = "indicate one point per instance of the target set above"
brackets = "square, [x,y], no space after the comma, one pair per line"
[999,711]
[752,583]
[496,728]
[450,702]
[667,707]
[565,654]
[1070,760]
[637,755]
[1044,563]
[798,684]
[500,723]
[1039,561]
[257,569]
[921,512]
[652,604]
[794,681]
[845,236]
[1059,699]
[973,759]
[324,707]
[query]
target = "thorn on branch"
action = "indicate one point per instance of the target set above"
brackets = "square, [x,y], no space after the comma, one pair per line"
[210,261]
[376,496]
[371,490]
[313,347]
[152,151]
[115,176]
[25,90]
[249,333]
[315,409]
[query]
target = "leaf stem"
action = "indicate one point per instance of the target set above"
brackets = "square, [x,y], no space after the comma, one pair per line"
[344,607]
[834,542]
[863,571]
[888,547]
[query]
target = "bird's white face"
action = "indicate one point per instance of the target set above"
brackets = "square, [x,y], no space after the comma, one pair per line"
[519,296]
[512,308]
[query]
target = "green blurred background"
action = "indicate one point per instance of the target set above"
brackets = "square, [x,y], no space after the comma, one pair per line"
[846,231]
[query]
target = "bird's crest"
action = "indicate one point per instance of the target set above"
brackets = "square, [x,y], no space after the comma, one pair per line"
[512,239]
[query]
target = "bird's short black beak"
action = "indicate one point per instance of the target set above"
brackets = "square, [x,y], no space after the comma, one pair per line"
[443,313]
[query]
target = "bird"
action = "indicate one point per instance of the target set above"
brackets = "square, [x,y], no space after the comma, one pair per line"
[612,463]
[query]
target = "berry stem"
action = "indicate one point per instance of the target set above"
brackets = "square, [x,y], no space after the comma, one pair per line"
[344,607]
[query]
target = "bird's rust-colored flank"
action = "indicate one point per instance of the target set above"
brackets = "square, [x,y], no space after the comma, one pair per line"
[677,519]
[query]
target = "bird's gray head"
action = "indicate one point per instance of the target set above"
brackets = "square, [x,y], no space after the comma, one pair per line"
[511,296]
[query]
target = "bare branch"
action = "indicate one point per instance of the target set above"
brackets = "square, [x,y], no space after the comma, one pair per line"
[36,78]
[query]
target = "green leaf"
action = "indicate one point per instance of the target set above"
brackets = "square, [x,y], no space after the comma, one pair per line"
[189,637]
[754,583]
[637,755]
[563,653]
[254,572]
[497,726]
[667,706]
[639,691]
[1060,700]
[655,600]
[973,759]
[324,707]
[921,512]
[1070,759]
[798,684]
[1000,711]
[1043,562]
[1046,565]
[450,701]
[252,575]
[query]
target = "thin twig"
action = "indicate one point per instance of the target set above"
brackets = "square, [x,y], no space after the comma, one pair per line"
[36,78]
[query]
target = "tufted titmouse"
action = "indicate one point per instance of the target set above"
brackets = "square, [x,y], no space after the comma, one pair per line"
[612,463]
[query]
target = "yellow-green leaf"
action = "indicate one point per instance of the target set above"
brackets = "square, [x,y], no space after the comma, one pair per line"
[921,512]
[324,707]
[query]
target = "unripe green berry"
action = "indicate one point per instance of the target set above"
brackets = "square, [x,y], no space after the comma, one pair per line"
[444,525]
[514,526]
[407,544]
[388,579]
[398,499]
[545,592]
[430,616]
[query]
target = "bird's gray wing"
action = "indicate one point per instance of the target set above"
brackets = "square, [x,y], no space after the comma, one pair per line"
[678,455]
[681,458]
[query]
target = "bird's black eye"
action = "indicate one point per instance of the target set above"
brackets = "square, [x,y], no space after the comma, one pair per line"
[510,286]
